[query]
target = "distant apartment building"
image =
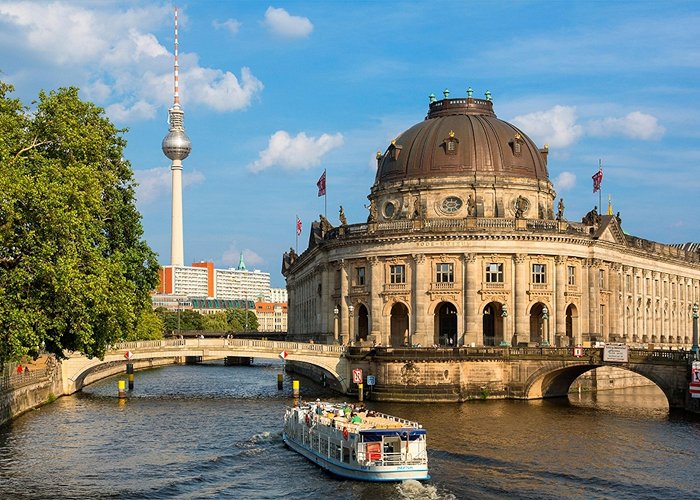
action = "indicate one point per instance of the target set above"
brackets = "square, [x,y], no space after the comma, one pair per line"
[190,281]
[272,316]
[278,295]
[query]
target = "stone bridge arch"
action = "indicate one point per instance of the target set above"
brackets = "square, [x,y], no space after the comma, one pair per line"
[553,379]
[78,371]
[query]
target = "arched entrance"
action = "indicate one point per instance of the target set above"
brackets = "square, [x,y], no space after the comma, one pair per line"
[493,324]
[571,324]
[399,325]
[446,324]
[362,322]
[538,323]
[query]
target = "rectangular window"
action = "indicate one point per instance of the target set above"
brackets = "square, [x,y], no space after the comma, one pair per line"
[494,273]
[628,282]
[601,278]
[359,276]
[572,275]
[445,273]
[398,274]
[539,273]
[602,319]
[648,286]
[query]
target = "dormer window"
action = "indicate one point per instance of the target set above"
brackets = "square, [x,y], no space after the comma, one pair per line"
[451,143]
[516,144]
[394,150]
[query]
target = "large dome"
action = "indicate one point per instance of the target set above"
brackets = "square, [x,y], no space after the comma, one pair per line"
[461,137]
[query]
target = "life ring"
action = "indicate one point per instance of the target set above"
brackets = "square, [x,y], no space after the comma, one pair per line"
[346,434]
[308,420]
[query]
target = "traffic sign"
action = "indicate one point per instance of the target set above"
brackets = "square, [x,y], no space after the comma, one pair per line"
[128,355]
[578,351]
[357,375]
[370,380]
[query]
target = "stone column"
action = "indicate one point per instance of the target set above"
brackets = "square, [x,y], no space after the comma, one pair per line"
[618,312]
[519,291]
[326,312]
[471,300]
[593,300]
[421,280]
[344,315]
[376,288]
[560,299]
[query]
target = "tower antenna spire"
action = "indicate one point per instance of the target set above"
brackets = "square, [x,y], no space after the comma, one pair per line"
[176,96]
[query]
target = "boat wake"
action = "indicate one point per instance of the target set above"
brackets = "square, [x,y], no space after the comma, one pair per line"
[413,489]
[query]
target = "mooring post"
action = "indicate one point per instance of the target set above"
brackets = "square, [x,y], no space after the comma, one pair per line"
[121,387]
[280,380]
[130,375]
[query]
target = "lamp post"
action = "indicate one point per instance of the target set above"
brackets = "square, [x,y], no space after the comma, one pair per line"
[695,331]
[335,324]
[545,321]
[351,309]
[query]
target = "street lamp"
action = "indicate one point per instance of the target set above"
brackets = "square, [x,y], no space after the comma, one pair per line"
[335,324]
[545,320]
[695,331]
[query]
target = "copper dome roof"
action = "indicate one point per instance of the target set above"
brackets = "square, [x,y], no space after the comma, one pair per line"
[461,137]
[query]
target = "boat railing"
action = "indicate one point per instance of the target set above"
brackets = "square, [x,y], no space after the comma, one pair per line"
[396,458]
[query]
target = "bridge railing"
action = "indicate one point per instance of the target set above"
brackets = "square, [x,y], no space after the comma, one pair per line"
[229,342]
[17,380]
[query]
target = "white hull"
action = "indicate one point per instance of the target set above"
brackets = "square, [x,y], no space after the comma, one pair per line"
[354,450]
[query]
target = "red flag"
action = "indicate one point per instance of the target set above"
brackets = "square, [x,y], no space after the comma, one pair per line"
[298,226]
[322,184]
[597,180]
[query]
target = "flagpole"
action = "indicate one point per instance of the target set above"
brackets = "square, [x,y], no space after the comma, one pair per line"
[296,232]
[325,195]
[600,191]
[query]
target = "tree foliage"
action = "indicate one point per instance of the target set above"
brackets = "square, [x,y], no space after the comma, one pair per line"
[75,273]
[215,322]
[237,320]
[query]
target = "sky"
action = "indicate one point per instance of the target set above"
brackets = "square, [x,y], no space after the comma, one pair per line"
[274,93]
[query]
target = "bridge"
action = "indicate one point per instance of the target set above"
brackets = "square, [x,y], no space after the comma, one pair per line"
[408,374]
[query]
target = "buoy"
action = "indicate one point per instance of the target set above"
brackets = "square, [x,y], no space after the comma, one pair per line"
[345,433]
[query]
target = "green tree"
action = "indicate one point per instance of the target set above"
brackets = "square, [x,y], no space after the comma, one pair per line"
[149,327]
[237,320]
[215,322]
[75,273]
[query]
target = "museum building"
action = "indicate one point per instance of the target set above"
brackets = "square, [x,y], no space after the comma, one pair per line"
[465,244]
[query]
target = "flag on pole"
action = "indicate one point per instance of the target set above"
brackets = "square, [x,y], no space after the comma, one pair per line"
[597,179]
[322,184]
[298,226]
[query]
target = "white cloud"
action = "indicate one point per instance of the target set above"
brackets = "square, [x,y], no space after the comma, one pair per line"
[121,113]
[124,60]
[565,181]
[636,125]
[232,25]
[220,90]
[295,153]
[155,183]
[280,22]
[556,127]
[232,255]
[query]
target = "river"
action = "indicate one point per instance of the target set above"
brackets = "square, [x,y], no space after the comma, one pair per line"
[208,431]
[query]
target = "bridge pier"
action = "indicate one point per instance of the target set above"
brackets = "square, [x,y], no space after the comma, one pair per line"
[238,361]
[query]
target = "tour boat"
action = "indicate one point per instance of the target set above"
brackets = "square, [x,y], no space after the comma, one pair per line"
[357,443]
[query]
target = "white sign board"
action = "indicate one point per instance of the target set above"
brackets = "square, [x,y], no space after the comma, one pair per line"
[615,353]
[695,380]
[357,375]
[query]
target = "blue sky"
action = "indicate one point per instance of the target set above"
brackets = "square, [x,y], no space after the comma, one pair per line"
[274,93]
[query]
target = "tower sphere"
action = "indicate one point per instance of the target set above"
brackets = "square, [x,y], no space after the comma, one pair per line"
[177,145]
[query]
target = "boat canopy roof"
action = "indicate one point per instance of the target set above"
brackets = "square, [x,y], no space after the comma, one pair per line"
[377,434]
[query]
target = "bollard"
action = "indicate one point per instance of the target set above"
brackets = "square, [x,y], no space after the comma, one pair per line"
[295,392]
[360,392]
[121,384]
[280,379]
[130,374]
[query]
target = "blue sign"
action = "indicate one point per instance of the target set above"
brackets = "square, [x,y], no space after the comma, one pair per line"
[370,379]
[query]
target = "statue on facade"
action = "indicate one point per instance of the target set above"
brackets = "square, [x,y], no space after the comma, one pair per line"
[416,212]
[471,207]
[372,217]
[521,206]
[325,225]
[560,209]
[343,220]
[592,217]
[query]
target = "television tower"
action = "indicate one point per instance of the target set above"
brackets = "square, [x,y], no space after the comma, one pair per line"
[177,147]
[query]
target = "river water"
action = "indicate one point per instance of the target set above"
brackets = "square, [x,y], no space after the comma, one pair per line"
[208,431]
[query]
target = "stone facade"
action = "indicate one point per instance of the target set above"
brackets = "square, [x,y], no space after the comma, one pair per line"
[462,247]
